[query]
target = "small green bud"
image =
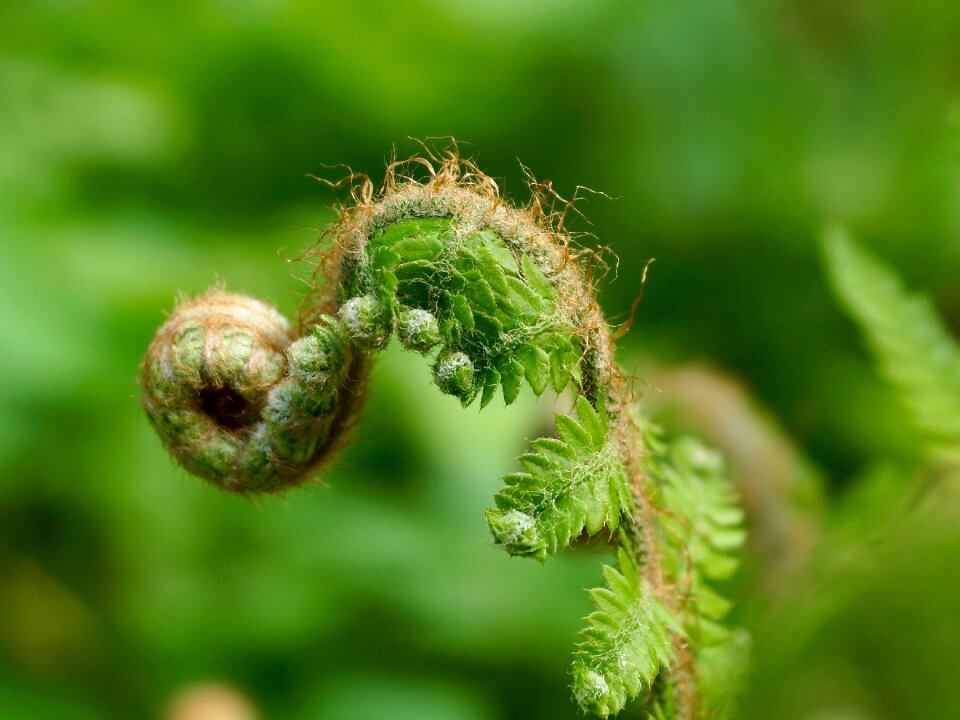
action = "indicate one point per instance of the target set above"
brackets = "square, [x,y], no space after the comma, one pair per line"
[365,321]
[215,457]
[206,376]
[453,373]
[418,329]
[288,415]
[318,359]
[186,354]
[590,690]
[517,532]
[256,464]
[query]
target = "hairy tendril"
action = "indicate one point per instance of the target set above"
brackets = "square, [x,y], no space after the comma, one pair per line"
[497,299]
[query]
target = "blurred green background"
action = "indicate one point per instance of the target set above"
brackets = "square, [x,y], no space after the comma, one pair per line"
[148,149]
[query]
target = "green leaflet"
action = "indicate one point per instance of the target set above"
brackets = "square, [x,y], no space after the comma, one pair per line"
[625,644]
[576,482]
[573,483]
[703,530]
[719,675]
[915,351]
[701,535]
[663,704]
[491,303]
[721,669]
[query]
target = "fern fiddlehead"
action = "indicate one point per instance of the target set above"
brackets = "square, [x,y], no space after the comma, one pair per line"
[495,295]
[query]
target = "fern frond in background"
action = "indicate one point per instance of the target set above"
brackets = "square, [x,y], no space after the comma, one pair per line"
[868,628]
[914,349]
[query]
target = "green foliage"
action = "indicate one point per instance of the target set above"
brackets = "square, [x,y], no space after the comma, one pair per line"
[151,147]
[913,347]
[492,303]
[721,673]
[570,484]
[365,322]
[625,644]
[702,530]
[702,534]
[873,634]
[631,636]
[418,265]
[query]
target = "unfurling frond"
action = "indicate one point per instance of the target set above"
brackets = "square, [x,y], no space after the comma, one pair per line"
[495,296]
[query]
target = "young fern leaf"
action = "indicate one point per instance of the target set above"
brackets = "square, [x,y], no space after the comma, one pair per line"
[499,313]
[495,297]
[625,644]
[720,675]
[916,352]
[570,484]
[702,536]
[703,530]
